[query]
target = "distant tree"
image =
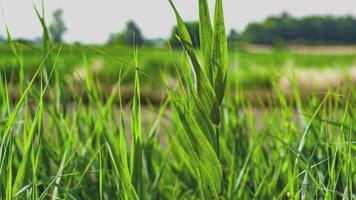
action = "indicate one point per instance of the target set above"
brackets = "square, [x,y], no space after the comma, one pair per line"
[132,34]
[2,39]
[24,41]
[233,38]
[157,42]
[193,29]
[37,40]
[57,28]
[255,33]
[116,38]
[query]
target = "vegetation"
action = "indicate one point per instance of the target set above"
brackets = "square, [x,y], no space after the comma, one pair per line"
[132,34]
[57,28]
[233,39]
[204,141]
[307,30]
[193,29]
[255,69]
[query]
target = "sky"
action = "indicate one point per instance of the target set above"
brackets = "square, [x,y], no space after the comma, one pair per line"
[92,21]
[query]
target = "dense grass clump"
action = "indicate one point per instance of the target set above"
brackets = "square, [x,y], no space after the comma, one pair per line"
[204,141]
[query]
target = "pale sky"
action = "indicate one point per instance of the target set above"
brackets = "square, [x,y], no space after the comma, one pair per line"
[91,21]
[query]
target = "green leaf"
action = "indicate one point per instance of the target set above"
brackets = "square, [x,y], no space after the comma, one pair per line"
[205,90]
[219,52]
[136,147]
[206,37]
[204,87]
[46,44]
[123,174]
[28,144]
[209,165]
[20,176]
[182,29]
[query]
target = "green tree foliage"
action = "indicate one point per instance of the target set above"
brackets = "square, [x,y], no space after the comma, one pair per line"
[2,39]
[309,30]
[57,28]
[132,34]
[233,38]
[193,29]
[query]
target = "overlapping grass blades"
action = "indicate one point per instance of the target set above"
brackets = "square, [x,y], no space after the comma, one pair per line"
[211,146]
[136,146]
[202,118]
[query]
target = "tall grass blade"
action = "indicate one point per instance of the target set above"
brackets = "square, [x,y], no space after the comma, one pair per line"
[209,165]
[206,38]
[136,147]
[219,52]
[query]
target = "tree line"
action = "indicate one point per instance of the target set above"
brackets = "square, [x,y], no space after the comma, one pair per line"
[275,30]
[307,30]
[133,35]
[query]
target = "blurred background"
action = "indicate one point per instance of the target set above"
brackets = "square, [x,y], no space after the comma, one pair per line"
[269,41]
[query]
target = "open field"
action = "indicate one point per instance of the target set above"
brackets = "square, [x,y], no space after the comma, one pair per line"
[287,131]
[114,122]
[155,60]
[309,49]
[255,70]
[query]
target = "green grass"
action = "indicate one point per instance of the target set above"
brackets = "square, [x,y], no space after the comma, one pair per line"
[255,69]
[205,141]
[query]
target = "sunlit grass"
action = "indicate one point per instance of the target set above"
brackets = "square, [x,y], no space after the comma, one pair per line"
[203,141]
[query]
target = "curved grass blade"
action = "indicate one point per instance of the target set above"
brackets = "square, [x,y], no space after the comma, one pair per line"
[209,165]
[219,51]
[206,38]
[205,90]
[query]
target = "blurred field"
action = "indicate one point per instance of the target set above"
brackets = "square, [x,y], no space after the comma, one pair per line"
[254,69]
[308,49]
